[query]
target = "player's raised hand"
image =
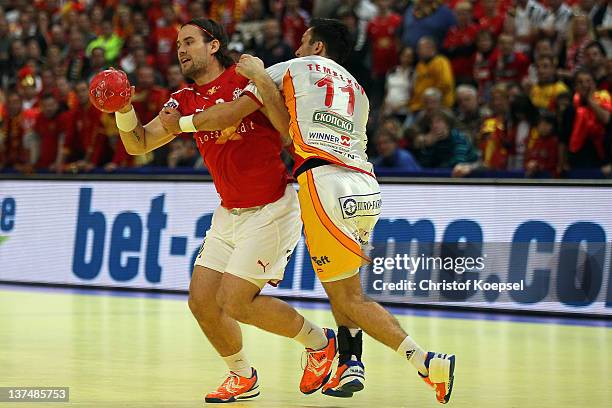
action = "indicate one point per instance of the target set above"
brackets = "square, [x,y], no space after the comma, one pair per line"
[170,120]
[250,67]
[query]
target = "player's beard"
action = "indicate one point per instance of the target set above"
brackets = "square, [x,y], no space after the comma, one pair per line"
[196,69]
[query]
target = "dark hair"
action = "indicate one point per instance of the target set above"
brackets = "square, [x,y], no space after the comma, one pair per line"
[48,95]
[334,35]
[546,57]
[211,30]
[597,45]
[582,72]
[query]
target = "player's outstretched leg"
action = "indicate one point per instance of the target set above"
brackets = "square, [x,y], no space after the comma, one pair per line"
[224,334]
[240,299]
[436,369]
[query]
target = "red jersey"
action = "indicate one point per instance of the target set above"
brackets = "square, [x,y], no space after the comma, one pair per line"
[382,35]
[50,132]
[458,42]
[544,150]
[245,163]
[87,139]
[509,69]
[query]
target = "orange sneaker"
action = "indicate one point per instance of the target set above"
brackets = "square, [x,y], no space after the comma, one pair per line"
[235,388]
[319,364]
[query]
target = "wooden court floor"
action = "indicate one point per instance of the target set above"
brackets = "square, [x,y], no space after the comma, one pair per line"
[118,351]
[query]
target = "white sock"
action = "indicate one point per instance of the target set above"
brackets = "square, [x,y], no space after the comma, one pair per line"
[239,364]
[354,331]
[311,336]
[413,353]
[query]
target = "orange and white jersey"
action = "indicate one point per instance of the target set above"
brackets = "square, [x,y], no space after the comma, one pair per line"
[328,108]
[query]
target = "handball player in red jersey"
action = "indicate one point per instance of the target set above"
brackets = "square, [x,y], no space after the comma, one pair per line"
[257,225]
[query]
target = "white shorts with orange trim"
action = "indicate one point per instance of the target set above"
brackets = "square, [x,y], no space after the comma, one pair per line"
[254,244]
[339,207]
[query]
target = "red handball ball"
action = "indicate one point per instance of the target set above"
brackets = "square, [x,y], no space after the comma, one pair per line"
[110,90]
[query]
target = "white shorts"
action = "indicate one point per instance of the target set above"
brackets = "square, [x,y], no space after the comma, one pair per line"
[253,243]
[340,208]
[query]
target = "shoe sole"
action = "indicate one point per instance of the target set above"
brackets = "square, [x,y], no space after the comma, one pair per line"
[247,395]
[352,386]
[451,379]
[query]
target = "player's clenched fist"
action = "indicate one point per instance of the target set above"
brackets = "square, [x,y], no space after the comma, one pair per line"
[170,120]
[250,66]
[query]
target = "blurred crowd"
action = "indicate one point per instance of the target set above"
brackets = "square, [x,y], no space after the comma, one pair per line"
[465,85]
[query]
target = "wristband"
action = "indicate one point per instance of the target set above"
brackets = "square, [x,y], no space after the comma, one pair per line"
[186,124]
[126,122]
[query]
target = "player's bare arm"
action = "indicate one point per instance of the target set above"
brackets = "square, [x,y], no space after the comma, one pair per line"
[224,115]
[140,139]
[274,106]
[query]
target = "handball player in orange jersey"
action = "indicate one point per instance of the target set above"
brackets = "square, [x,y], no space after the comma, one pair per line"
[257,225]
[339,196]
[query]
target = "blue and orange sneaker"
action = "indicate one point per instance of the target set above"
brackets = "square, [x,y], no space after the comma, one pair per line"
[349,378]
[235,388]
[441,374]
[319,364]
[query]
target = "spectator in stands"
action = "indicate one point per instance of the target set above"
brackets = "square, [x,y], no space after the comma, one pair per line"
[507,64]
[459,43]
[110,42]
[555,24]
[183,153]
[273,48]
[426,18]
[51,129]
[398,85]
[588,141]
[128,62]
[542,148]
[544,94]
[528,16]
[175,79]
[13,145]
[27,89]
[97,62]
[491,16]
[432,104]
[195,9]
[444,146]
[595,62]
[523,118]
[468,113]
[384,48]
[390,156]
[580,34]
[87,146]
[294,23]
[77,64]
[483,77]
[18,57]
[358,58]
[496,141]
[603,26]
[147,102]
[433,70]
[163,39]
[66,96]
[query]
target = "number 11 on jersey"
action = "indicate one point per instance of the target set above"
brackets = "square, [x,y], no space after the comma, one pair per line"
[328,81]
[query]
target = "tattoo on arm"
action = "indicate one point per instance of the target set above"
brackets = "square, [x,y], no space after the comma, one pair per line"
[136,134]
